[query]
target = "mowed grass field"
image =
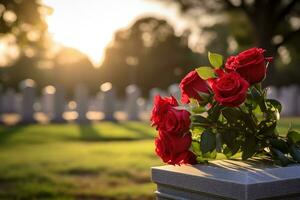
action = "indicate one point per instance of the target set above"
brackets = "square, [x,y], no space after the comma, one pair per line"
[68,161]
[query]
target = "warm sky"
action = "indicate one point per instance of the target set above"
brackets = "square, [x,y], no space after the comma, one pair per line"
[89,25]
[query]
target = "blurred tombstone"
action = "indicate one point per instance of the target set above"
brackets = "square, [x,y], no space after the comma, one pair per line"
[174,90]
[82,102]
[99,101]
[18,100]
[142,104]
[109,101]
[133,93]
[9,101]
[272,92]
[48,100]
[58,105]
[289,99]
[28,99]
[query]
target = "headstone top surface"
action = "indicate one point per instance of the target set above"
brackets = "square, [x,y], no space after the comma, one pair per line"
[242,172]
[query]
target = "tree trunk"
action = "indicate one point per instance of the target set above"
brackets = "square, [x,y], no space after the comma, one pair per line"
[263,25]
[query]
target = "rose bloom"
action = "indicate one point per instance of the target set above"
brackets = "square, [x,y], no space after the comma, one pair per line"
[174,149]
[191,85]
[230,89]
[250,64]
[169,119]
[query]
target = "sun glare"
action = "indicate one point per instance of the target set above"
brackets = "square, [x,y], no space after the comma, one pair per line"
[89,25]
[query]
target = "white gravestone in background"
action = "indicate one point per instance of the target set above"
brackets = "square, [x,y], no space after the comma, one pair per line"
[272,93]
[133,93]
[28,98]
[288,98]
[9,101]
[82,100]
[58,105]
[109,101]
[48,100]
[99,101]
[174,90]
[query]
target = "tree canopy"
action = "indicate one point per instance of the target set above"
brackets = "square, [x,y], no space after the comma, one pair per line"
[270,24]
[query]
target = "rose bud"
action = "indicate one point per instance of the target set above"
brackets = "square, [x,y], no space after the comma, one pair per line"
[230,89]
[168,118]
[191,85]
[250,64]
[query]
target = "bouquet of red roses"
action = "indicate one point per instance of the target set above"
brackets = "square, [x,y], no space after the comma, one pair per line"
[223,110]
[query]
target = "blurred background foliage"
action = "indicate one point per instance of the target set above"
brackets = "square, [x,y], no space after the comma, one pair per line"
[149,52]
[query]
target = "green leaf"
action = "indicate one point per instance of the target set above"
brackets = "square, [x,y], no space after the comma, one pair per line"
[232,114]
[258,98]
[232,145]
[295,152]
[208,142]
[199,120]
[210,155]
[279,144]
[196,148]
[279,157]
[276,104]
[206,72]
[195,107]
[249,147]
[267,128]
[216,60]
[214,112]
[293,136]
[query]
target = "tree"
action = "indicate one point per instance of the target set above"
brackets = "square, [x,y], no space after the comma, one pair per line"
[148,54]
[274,23]
[22,22]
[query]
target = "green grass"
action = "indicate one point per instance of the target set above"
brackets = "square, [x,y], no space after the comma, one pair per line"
[69,161]
[99,161]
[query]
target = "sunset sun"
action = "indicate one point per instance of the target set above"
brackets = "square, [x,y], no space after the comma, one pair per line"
[89,27]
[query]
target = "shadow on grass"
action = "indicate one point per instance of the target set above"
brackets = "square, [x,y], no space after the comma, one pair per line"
[141,134]
[8,131]
[90,134]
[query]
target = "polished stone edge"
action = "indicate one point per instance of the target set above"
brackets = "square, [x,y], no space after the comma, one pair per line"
[214,182]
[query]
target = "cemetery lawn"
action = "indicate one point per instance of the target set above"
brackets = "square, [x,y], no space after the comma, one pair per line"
[68,161]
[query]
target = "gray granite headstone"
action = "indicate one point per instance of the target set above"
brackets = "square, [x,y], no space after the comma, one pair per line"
[99,101]
[82,101]
[109,101]
[9,101]
[288,98]
[272,92]
[28,88]
[59,104]
[48,100]
[133,93]
[174,90]
[227,179]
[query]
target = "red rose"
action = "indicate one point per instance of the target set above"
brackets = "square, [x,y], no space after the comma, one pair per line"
[167,118]
[250,64]
[230,89]
[191,85]
[174,149]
